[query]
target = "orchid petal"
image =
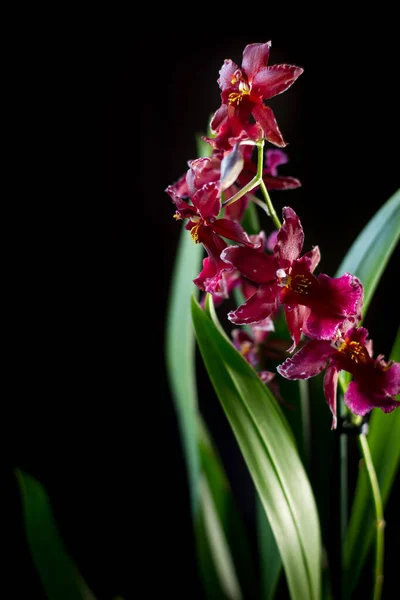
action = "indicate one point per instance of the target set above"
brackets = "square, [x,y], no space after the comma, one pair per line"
[271,240]
[271,81]
[344,294]
[266,376]
[226,74]
[185,210]
[258,307]
[281,183]
[357,334]
[255,57]
[273,159]
[295,318]
[248,289]
[220,116]
[313,257]
[390,378]
[321,327]
[203,170]
[309,361]
[264,115]
[330,391]
[361,400]
[232,231]
[207,200]
[290,237]
[251,263]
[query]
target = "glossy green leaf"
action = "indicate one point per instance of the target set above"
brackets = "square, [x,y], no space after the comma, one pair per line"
[270,453]
[219,561]
[213,507]
[270,558]
[270,562]
[383,440]
[57,571]
[371,250]
[227,513]
[180,346]
[180,357]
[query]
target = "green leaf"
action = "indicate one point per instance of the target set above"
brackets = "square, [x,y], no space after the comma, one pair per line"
[383,440]
[57,571]
[180,357]
[270,453]
[371,250]
[218,558]
[227,513]
[180,346]
[270,559]
[221,542]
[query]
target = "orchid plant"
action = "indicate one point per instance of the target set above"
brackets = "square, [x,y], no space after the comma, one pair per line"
[288,358]
[292,326]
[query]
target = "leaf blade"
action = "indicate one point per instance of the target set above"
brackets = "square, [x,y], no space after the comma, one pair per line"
[264,437]
[371,250]
[57,571]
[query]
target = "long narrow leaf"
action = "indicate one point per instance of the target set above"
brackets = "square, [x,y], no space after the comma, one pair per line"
[227,512]
[180,358]
[371,250]
[204,469]
[218,549]
[270,559]
[57,571]
[271,456]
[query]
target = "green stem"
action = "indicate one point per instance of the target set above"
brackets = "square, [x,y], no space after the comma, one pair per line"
[380,522]
[343,445]
[270,206]
[257,179]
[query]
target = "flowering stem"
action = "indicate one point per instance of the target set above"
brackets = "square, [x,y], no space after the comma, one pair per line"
[270,206]
[257,179]
[380,523]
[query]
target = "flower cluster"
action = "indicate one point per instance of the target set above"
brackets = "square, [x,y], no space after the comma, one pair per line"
[322,313]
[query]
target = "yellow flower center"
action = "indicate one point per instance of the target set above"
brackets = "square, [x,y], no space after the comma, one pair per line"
[245,348]
[295,283]
[244,90]
[355,351]
[194,232]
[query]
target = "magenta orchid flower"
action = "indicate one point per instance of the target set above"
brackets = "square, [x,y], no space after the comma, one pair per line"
[249,344]
[232,279]
[375,382]
[244,89]
[258,349]
[314,305]
[200,188]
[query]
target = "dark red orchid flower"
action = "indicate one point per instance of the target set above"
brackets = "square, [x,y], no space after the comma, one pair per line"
[375,382]
[314,305]
[244,90]
[203,223]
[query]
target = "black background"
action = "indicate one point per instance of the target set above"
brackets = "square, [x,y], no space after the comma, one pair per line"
[90,415]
